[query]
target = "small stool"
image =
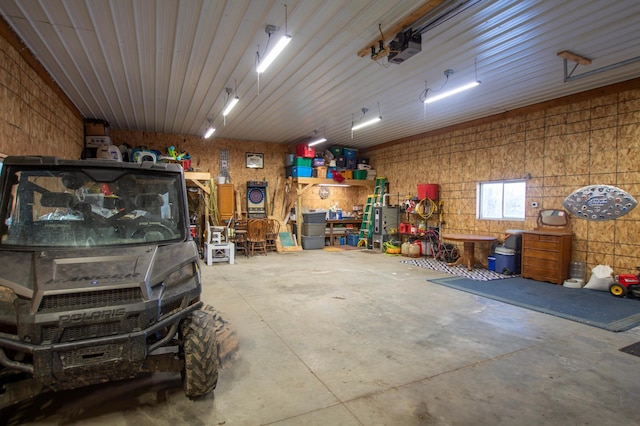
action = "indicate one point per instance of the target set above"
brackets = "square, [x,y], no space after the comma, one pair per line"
[220,252]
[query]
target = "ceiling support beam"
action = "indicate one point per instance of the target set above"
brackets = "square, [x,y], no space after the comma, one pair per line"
[401,25]
[581,60]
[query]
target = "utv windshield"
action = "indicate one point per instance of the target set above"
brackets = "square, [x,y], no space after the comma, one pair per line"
[90,207]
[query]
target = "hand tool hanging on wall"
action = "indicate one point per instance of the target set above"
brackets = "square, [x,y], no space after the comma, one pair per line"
[272,210]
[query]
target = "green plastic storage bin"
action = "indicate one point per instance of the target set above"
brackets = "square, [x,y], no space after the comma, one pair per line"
[360,174]
[302,161]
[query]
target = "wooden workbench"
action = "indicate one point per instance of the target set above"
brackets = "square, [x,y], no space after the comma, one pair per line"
[304,184]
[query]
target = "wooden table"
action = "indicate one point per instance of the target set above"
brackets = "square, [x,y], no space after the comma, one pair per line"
[469,241]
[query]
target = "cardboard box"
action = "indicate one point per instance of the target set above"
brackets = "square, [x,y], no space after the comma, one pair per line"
[96,128]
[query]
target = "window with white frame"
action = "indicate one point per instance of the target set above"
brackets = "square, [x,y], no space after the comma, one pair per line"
[501,200]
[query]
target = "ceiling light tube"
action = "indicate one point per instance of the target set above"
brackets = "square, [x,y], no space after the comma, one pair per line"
[317,141]
[209,132]
[366,123]
[230,106]
[451,92]
[271,56]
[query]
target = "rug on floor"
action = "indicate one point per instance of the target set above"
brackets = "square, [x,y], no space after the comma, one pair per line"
[633,349]
[477,274]
[596,308]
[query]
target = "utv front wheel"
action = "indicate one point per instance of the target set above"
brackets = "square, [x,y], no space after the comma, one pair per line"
[200,350]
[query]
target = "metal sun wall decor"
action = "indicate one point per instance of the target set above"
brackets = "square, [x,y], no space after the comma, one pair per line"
[599,202]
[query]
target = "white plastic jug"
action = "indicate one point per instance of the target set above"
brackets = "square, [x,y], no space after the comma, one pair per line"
[404,250]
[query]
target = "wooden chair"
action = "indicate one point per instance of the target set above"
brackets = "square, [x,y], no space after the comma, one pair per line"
[257,235]
[273,229]
[239,237]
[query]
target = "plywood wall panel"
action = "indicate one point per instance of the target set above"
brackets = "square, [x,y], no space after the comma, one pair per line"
[563,146]
[33,119]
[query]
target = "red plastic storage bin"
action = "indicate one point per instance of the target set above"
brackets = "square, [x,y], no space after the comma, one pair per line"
[304,150]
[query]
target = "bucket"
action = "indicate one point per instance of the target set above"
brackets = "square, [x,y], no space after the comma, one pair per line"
[221,180]
[428,190]
[574,283]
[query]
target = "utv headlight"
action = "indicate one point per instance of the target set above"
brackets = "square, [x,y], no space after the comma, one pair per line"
[181,275]
[8,313]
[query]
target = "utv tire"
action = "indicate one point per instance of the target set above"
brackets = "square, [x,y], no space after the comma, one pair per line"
[200,351]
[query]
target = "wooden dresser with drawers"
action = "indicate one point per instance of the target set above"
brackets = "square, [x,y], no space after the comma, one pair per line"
[546,255]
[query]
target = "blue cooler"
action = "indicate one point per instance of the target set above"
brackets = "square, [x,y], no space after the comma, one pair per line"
[491,263]
[507,259]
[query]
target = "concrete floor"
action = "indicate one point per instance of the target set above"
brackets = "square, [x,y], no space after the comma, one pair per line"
[358,338]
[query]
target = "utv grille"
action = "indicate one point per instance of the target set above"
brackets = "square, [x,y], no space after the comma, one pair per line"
[57,334]
[90,299]
[71,334]
[93,355]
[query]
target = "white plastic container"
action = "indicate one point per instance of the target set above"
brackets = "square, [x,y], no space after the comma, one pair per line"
[109,152]
[577,270]
[404,249]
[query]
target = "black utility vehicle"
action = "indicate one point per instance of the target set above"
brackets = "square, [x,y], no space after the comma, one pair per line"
[99,277]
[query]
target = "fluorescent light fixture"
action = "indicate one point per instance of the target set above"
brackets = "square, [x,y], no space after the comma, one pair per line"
[366,123]
[273,53]
[230,106]
[209,132]
[333,184]
[210,129]
[451,92]
[317,141]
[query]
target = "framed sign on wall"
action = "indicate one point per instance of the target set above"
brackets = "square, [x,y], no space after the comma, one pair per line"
[255,160]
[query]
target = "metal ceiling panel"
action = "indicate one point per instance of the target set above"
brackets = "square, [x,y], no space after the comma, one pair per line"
[163,66]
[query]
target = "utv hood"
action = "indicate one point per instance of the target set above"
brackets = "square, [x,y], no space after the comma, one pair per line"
[32,274]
